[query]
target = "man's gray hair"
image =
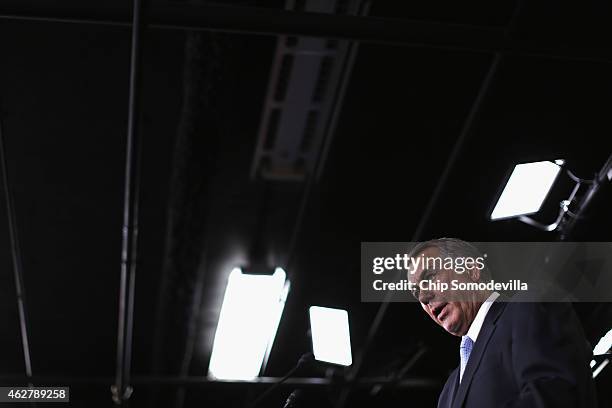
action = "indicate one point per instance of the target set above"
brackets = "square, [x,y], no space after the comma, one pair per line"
[453,248]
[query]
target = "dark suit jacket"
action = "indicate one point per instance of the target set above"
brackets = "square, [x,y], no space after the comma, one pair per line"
[526,355]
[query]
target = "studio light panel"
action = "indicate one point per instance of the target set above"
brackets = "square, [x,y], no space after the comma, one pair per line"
[249,317]
[331,340]
[526,189]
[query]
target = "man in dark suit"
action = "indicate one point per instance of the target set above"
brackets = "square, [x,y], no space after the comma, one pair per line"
[512,354]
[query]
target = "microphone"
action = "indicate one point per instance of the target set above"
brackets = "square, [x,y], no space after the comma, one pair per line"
[293,399]
[304,359]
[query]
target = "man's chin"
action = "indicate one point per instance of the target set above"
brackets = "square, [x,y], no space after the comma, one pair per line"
[452,328]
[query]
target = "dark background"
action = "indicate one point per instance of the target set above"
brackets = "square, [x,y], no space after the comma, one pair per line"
[63,101]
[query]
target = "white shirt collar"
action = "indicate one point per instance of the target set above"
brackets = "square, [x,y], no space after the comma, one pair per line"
[476,325]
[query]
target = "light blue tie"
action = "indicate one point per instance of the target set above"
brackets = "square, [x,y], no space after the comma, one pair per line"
[464,353]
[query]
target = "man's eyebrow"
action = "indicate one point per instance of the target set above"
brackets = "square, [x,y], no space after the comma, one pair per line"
[426,273]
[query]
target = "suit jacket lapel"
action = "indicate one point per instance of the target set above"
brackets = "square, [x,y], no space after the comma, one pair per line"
[454,388]
[449,390]
[488,327]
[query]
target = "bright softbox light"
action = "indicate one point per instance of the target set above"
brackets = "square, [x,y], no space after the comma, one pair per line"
[331,339]
[251,311]
[603,346]
[526,189]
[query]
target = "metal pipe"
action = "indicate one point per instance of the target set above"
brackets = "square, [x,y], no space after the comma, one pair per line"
[203,382]
[603,176]
[269,21]
[16,257]
[121,389]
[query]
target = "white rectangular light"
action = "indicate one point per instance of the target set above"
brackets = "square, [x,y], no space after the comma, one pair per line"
[526,189]
[603,346]
[250,314]
[331,339]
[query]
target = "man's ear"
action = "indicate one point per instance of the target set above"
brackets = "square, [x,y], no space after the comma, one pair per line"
[474,274]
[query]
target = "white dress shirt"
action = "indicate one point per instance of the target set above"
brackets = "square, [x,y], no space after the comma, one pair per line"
[480,316]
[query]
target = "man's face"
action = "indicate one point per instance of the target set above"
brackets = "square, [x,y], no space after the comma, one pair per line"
[454,316]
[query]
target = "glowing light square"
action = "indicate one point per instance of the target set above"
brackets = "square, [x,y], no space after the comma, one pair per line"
[526,189]
[249,318]
[331,339]
[603,346]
